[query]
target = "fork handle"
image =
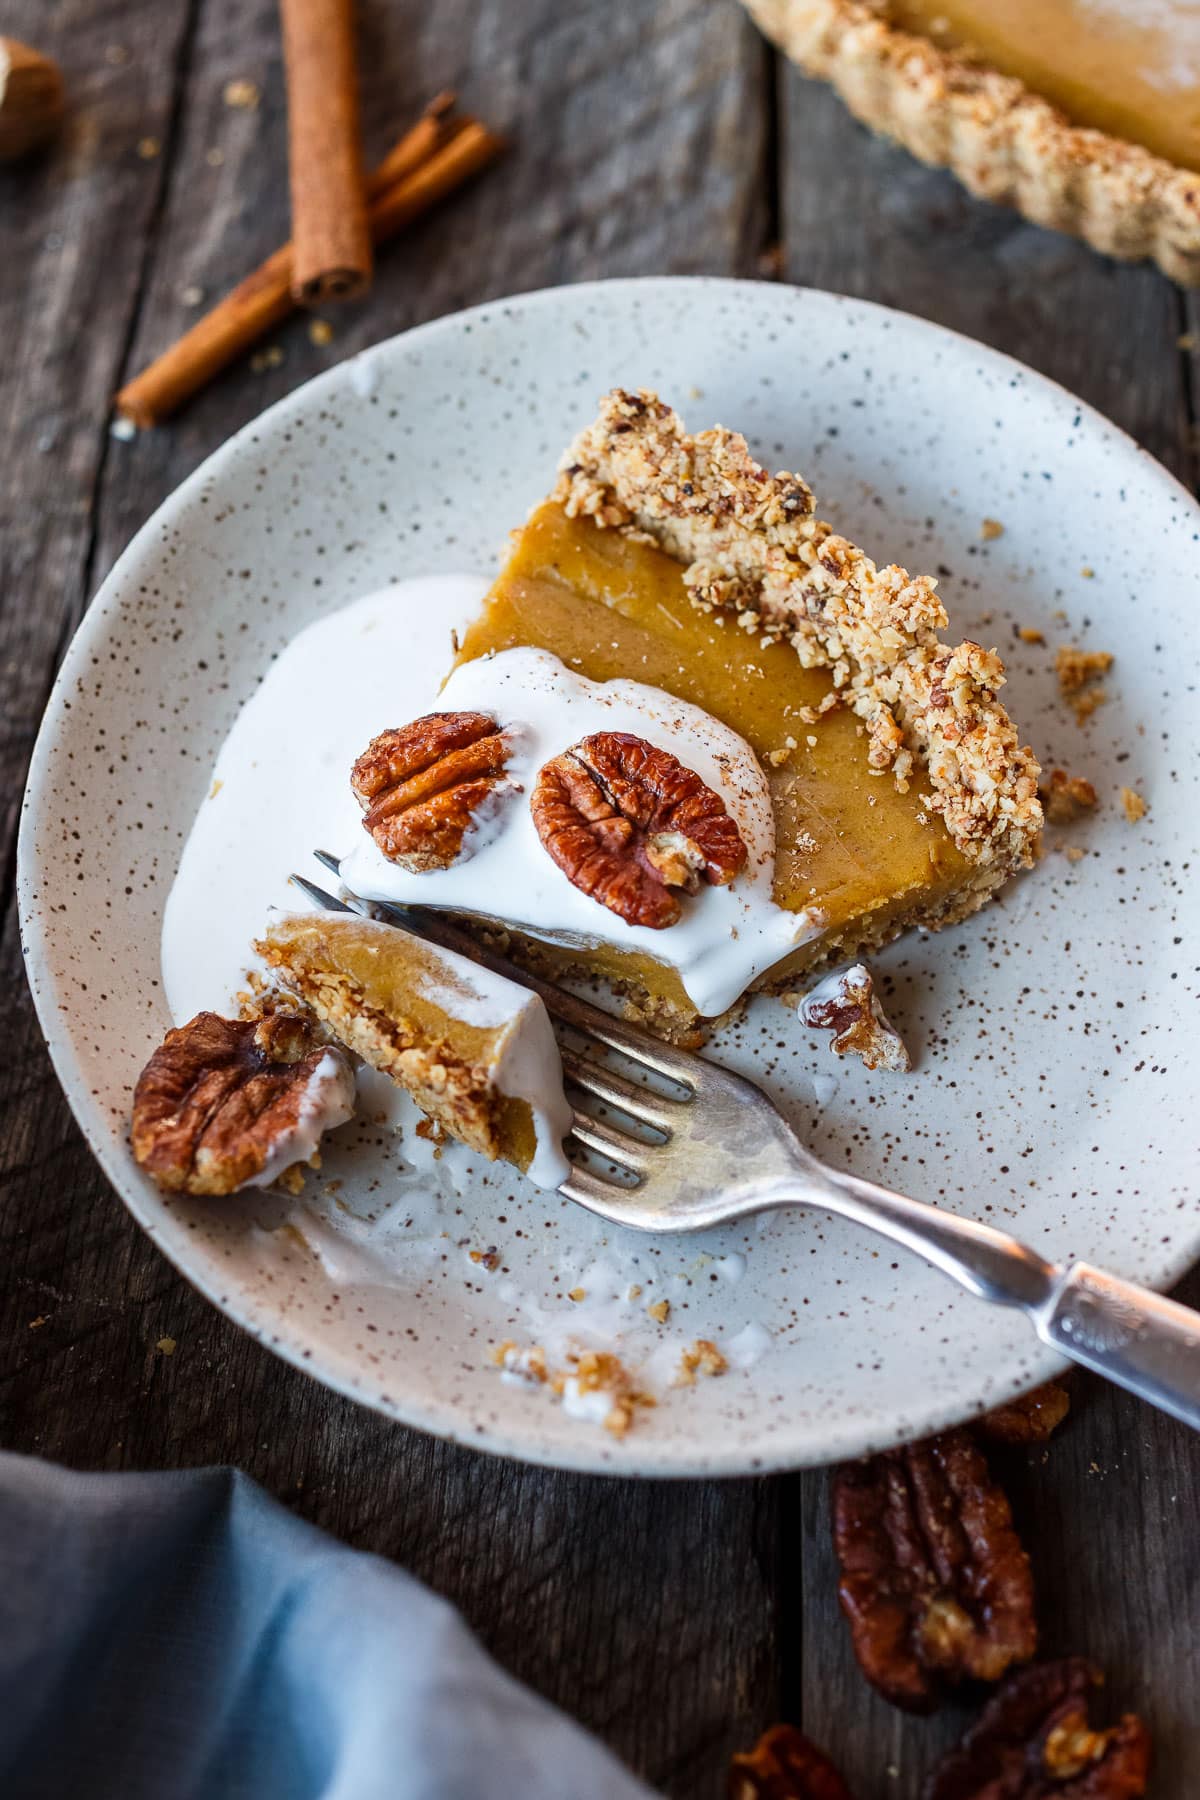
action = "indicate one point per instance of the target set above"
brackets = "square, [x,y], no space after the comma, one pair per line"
[1128,1334]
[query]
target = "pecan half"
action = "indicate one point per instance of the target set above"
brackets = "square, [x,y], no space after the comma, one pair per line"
[224,1102]
[421,785]
[628,823]
[846,1005]
[934,1581]
[1033,1742]
[1030,1418]
[784,1765]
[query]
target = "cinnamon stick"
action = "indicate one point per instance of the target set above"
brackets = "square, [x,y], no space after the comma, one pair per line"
[332,255]
[428,163]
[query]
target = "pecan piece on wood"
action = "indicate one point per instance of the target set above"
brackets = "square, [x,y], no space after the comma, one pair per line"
[1030,1418]
[224,1103]
[1033,1741]
[934,1581]
[784,1765]
[628,823]
[423,784]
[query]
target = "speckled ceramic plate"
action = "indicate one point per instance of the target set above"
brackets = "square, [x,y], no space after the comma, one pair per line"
[1053,1091]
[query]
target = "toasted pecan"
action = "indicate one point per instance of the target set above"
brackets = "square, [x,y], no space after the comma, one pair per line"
[220,1096]
[1030,1418]
[628,823]
[423,784]
[784,1765]
[1033,1741]
[934,1581]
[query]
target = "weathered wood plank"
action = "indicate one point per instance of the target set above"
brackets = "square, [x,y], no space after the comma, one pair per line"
[76,225]
[638,135]
[647,1611]
[1108,1507]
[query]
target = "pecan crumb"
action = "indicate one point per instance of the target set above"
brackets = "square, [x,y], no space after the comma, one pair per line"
[847,1005]
[1132,805]
[242,94]
[525,1365]
[704,1356]
[1065,796]
[1030,1418]
[784,1765]
[989,529]
[660,1310]
[1078,672]
[1029,634]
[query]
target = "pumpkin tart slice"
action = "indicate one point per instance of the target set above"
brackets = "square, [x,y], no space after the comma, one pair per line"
[900,791]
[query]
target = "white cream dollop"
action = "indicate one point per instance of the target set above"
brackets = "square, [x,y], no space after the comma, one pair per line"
[727,935]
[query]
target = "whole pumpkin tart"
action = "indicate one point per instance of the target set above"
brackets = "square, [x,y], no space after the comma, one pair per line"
[1082,114]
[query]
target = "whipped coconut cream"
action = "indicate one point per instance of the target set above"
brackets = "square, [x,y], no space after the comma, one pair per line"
[727,935]
[281,788]
[281,785]
[527,1066]
[327,1102]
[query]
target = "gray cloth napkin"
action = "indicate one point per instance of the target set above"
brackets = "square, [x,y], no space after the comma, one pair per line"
[182,1637]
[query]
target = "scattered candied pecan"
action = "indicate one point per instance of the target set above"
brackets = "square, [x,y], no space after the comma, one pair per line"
[847,1005]
[627,823]
[421,785]
[1030,1418]
[1033,1742]
[934,1581]
[784,1765]
[221,1098]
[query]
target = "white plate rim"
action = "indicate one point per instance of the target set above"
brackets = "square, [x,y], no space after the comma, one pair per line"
[335,1370]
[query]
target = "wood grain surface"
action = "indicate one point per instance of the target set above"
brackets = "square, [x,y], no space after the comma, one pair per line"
[677,1620]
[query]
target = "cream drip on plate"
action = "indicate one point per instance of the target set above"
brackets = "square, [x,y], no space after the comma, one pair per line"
[727,935]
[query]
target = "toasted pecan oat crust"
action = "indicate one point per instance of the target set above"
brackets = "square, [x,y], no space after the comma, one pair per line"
[752,545]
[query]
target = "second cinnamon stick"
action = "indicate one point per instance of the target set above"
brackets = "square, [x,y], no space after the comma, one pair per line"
[431,160]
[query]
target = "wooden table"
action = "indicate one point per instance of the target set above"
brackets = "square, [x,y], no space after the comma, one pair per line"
[676,1620]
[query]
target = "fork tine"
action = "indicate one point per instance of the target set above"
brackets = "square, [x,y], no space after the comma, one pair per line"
[617,1090]
[590,1191]
[318,895]
[616,1034]
[614,1144]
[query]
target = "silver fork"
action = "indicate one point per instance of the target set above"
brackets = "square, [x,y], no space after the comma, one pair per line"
[722,1151]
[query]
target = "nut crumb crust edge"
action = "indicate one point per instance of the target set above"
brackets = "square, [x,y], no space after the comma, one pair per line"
[752,545]
[1003,141]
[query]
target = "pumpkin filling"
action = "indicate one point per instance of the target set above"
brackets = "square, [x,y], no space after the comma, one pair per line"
[870,860]
[1127,67]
